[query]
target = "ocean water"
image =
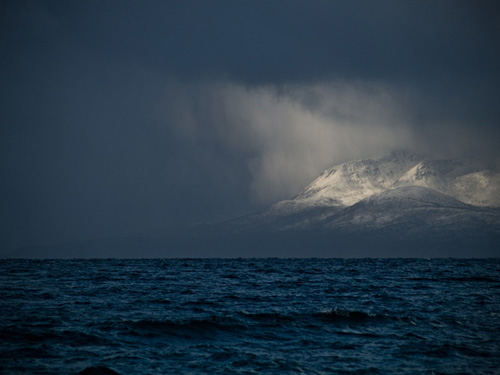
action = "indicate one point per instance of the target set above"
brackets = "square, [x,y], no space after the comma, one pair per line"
[250,316]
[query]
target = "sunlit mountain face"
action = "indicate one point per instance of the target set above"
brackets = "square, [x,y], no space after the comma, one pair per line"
[398,201]
[396,181]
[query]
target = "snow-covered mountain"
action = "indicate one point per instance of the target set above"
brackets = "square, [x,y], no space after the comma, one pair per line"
[413,210]
[457,179]
[401,191]
[349,183]
[398,205]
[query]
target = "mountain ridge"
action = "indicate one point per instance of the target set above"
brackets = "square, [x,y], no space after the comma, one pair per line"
[352,181]
[348,183]
[398,187]
[397,205]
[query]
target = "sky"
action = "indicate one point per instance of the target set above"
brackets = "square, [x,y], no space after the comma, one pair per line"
[128,118]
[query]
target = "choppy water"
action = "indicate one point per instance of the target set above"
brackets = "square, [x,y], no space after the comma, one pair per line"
[250,316]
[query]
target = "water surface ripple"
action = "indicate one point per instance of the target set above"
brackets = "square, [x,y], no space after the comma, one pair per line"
[250,316]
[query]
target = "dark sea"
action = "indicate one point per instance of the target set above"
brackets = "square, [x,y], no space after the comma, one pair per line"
[250,316]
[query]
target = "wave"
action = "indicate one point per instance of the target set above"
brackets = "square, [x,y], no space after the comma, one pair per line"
[465,279]
[24,334]
[446,349]
[337,314]
[328,316]
[269,319]
[203,328]
[98,370]
[473,279]
[189,329]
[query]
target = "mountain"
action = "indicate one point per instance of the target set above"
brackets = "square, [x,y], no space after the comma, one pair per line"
[339,189]
[348,183]
[457,179]
[397,205]
[366,207]
[413,210]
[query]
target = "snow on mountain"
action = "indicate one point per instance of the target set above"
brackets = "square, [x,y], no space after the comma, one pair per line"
[348,183]
[455,178]
[434,174]
[478,188]
[413,209]
[397,192]
[281,216]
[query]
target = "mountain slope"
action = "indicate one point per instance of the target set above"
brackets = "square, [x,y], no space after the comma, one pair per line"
[457,179]
[478,188]
[414,210]
[398,205]
[410,221]
[341,187]
[348,183]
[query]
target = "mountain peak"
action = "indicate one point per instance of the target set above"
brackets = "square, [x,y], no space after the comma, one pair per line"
[398,204]
[455,178]
[348,183]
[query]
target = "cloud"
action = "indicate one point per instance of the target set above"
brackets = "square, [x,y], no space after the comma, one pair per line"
[290,133]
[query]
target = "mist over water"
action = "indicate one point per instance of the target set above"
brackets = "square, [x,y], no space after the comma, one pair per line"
[249,316]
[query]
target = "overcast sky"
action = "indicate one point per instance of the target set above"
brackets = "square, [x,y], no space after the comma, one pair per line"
[126,117]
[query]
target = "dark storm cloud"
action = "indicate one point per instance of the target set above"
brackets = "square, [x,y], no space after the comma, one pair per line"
[126,117]
[273,41]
